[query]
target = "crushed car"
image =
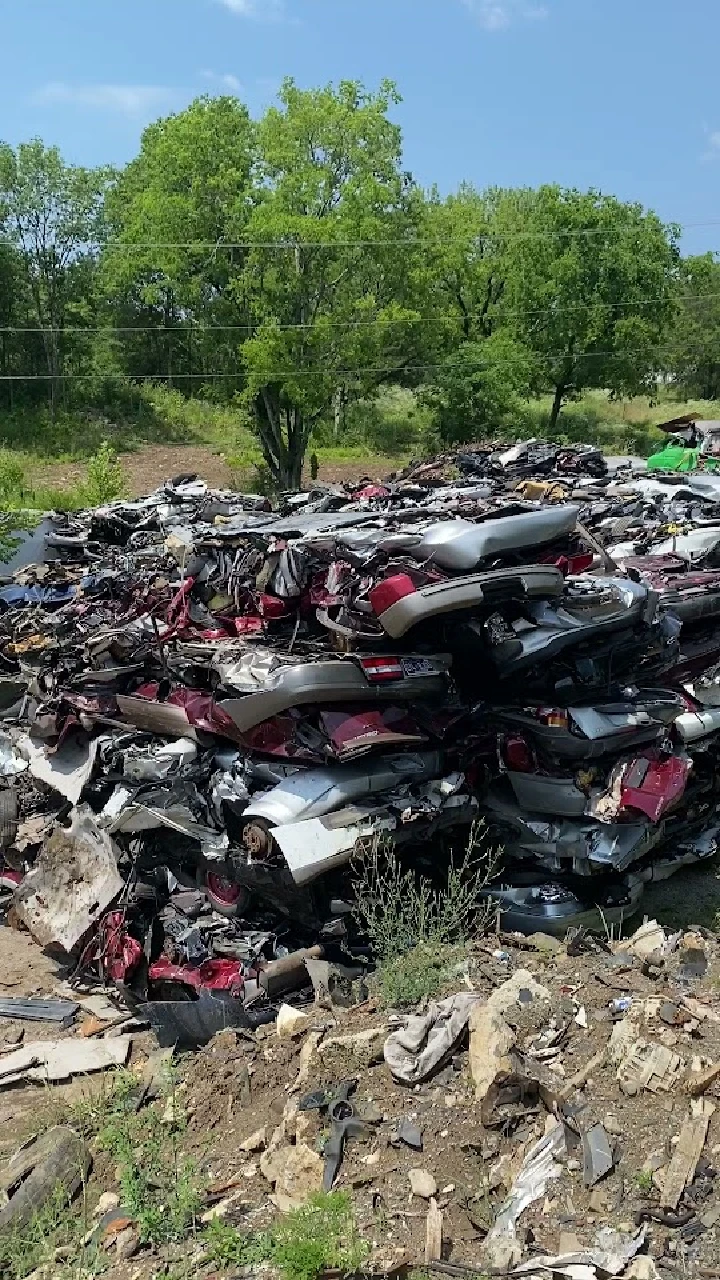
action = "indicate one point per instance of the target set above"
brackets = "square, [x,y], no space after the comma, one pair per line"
[209,705]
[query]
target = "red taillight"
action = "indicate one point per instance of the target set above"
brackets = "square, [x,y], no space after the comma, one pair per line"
[378,670]
[517,755]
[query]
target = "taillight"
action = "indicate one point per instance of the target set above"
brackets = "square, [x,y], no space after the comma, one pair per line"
[378,670]
[553,717]
[517,755]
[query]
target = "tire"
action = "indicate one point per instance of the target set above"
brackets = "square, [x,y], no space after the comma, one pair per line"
[8,817]
[224,894]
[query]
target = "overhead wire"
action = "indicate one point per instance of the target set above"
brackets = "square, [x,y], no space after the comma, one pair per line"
[448,317]
[394,370]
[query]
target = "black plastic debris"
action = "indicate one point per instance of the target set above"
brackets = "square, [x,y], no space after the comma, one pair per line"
[598,1156]
[32,1009]
[409,1134]
[189,1024]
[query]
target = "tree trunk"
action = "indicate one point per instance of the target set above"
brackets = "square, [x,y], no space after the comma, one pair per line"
[558,398]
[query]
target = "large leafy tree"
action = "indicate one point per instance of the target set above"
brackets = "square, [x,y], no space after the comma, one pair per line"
[173,217]
[588,287]
[331,282]
[51,212]
[464,264]
[694,356]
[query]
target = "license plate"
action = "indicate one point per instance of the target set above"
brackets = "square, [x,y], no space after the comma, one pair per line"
[418,667]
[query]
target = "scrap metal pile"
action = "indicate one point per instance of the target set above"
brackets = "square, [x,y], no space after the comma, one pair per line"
[208,706]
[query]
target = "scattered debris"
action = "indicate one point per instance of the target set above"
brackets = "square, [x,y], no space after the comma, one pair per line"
[686,1155]
[423,1042]
[52,1060]
[598,1155]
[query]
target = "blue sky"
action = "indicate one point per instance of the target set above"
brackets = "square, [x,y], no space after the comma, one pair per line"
[616,94]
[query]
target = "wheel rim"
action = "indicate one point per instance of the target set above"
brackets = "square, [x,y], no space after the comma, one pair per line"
[224,891]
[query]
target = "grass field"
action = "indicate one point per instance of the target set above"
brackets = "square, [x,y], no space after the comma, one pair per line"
[152,427]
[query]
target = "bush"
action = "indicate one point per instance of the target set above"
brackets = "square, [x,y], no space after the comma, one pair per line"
[105,478]
[418,932]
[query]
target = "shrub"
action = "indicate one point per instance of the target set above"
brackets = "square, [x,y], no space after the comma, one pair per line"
[105,479]
[417,931]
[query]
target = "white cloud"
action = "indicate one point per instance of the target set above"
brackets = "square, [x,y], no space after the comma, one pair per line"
[224,82]
[496,15]
[127,99]
[714,140]
[257,10]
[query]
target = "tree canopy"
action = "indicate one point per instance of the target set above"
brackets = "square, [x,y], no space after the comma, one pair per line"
[289,266]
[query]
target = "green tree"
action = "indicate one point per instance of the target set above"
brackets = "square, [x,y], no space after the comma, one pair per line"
[189,185]
[52,213]
[464,263]
[331,279]
[476,390]
[694,359]
[588,287]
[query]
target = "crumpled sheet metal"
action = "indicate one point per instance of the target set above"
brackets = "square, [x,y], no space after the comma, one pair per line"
[539,1167]
[612,1253]
[68,770]
[72,884]
[423,1042]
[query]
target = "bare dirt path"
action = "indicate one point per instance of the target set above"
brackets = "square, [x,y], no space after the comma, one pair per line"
[147,467]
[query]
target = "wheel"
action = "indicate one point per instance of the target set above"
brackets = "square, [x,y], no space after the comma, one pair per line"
[8,817]
[225,896]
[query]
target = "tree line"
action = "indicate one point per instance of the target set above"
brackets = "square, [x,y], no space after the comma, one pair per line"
[291,265]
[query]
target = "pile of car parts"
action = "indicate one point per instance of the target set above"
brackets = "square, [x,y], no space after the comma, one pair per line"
[209,705]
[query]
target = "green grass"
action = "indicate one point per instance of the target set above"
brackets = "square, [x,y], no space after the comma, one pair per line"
[387,430]
[321,1236]
[58,1226]
[159,1186]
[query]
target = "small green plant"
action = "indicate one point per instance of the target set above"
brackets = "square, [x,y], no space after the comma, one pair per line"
[321,1236]
[159,1186]
[105,479]
[230,1248]
[417,930]
[417,975]
[644,1179]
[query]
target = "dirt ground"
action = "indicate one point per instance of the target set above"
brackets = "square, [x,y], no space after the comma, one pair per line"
[147,467]
[245,1082]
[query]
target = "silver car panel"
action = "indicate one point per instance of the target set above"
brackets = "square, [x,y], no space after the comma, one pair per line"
[692,726]
[311,793]
[531,581]
[540,793]
[330,681]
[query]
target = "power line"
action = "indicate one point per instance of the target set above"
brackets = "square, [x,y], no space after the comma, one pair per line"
[274,375]
[550,309]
